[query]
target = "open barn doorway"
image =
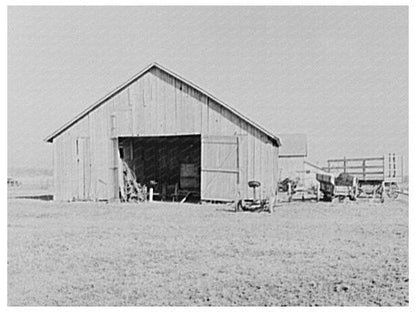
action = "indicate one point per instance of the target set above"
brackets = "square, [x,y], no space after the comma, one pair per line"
[170,164]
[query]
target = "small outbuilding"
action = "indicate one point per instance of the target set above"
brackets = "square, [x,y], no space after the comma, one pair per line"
[167,130]
[292,156]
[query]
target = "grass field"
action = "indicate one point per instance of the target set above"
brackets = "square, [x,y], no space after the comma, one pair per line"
[173,254]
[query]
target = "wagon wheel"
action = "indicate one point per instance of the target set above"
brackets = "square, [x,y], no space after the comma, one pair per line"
[382,194]
[241,206]
[359,192]
[327,197]
[393,191]
[354,194]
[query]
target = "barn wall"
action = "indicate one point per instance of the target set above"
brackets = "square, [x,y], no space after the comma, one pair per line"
[158,104]
[67,185]
[100,124]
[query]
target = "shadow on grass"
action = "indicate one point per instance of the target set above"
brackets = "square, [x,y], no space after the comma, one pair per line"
[229,209]
[39,197]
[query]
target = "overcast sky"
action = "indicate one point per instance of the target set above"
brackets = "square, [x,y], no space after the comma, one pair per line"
[338,74]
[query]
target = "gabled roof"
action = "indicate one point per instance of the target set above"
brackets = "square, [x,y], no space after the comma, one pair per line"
[137,76]
[293,145]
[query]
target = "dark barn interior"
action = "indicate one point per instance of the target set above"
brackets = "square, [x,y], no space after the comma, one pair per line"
[171,164]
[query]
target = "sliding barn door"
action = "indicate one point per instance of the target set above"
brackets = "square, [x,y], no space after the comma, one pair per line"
[219,168]
[83,166]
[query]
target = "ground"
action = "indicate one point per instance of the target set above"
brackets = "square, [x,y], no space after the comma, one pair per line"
[182,254]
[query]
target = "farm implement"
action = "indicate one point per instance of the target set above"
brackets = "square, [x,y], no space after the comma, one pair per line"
[254,204]
[296,190]
[341,187]
[360,178]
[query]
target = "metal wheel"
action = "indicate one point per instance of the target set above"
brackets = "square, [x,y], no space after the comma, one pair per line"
[393,191]
[353,196]
[327,198]
[240,206]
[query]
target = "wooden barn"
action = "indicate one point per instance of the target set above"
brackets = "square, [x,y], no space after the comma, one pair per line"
[167,130]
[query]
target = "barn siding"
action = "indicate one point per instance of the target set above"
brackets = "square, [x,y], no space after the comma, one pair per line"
[100,160]
[158,104]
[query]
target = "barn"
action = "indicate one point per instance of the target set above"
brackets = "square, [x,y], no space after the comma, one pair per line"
[169,131]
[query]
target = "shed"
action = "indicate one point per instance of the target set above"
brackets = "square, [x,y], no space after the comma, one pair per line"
[168,130]
[292,156]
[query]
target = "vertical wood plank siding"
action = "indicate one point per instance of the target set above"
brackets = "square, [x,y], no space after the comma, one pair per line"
[158,104]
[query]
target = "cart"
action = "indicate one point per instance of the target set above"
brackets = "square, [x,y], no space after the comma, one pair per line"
[341,188]
[377,178]
[296,190]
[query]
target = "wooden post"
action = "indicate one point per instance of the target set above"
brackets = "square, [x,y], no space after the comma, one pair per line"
[345,164]
[364,169]
[238,164]
[275,199]
[383,191]
[151,194]
[389,165]
[236,199]
[318,186]
[116,158]
[270,200]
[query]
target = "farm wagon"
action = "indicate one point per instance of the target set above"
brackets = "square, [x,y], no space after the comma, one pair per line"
[375,175]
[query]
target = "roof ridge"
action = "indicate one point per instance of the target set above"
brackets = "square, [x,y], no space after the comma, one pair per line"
[121,87]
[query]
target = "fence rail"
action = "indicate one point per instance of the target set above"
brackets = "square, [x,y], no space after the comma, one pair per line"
[370,168]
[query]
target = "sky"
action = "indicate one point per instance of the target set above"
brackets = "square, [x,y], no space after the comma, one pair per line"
[338,74]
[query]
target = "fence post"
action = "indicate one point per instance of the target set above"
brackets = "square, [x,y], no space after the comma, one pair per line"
[364,169]
[345,164]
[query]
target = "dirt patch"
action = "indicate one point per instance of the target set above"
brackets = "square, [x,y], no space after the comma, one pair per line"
[170,254]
